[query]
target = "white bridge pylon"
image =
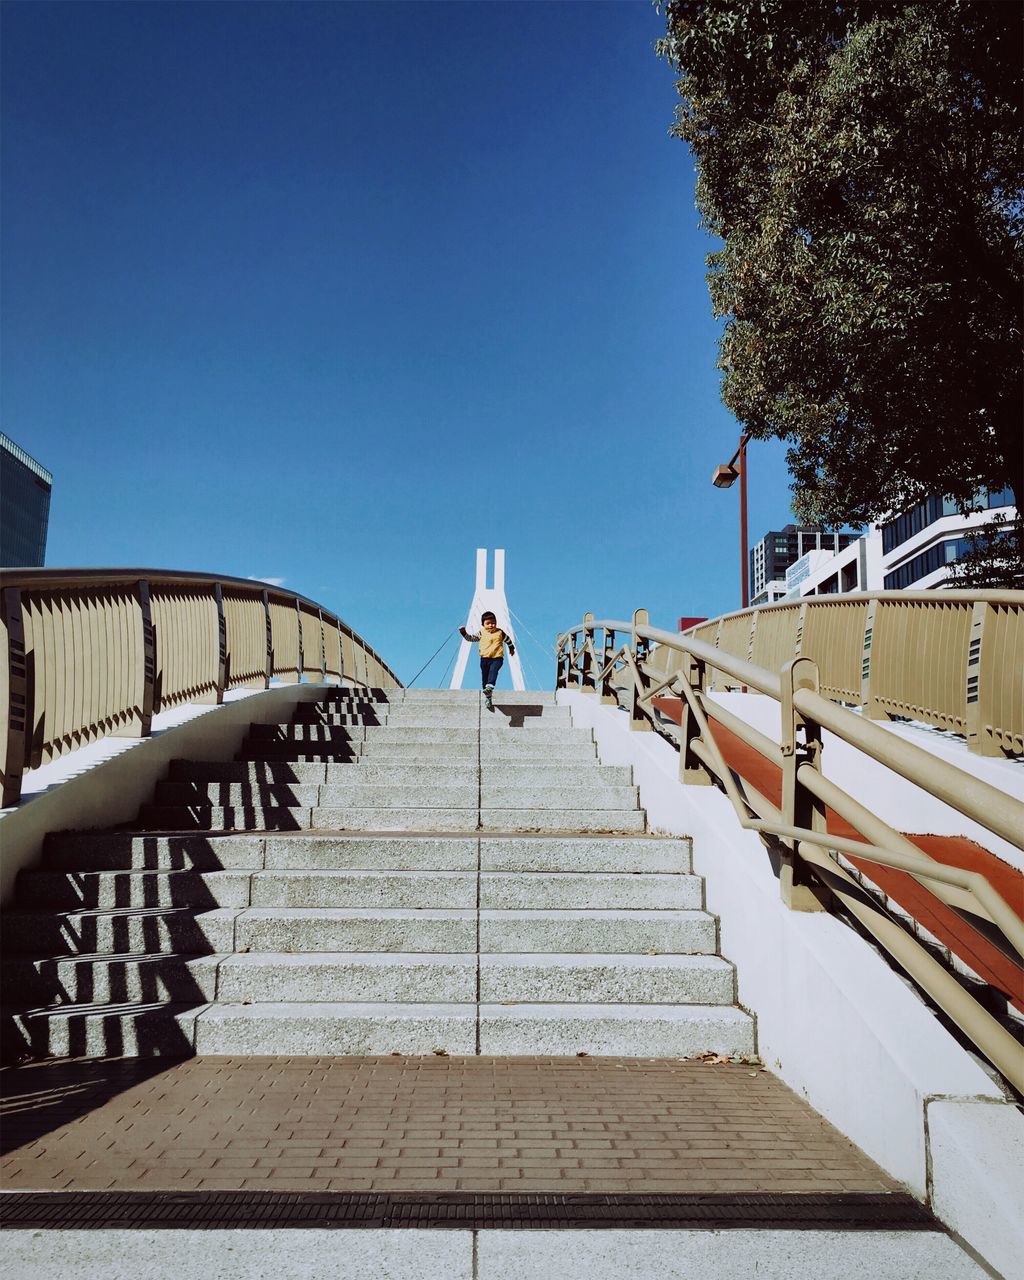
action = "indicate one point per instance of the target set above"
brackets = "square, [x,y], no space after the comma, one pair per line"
[488,598]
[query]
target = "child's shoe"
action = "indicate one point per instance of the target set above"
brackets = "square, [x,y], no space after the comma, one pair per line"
[488,691]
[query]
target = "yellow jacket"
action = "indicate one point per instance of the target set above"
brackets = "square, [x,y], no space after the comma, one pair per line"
[492,643]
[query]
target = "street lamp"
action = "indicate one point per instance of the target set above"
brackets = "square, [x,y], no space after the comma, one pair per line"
[723,477]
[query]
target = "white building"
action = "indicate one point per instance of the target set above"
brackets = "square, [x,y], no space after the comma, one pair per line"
[915,550]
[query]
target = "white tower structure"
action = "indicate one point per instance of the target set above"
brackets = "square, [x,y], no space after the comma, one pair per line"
[488,598]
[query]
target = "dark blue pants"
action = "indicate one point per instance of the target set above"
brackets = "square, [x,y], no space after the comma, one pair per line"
[489,668]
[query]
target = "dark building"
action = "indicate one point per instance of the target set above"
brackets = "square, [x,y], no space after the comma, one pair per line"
[24,507]
[777,550]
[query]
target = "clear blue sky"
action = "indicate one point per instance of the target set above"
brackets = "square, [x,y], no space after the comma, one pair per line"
[336,293]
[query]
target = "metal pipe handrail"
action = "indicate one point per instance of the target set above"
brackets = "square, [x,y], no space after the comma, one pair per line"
[807,713]
[974,798]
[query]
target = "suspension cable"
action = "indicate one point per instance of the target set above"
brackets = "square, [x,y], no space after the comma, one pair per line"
[431,658]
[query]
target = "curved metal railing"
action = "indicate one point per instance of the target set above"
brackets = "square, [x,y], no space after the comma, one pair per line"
[655,663]
[85,653]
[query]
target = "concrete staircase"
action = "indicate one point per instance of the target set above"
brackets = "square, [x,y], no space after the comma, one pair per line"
[401,873]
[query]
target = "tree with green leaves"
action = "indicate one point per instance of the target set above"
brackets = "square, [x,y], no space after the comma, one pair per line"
[861,163]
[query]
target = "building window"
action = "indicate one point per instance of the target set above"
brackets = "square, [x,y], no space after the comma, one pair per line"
[927,562]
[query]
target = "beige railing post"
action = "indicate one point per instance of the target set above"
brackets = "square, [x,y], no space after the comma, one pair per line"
[572,675]
[18,708]
[979,690]
[270,637]
[607,692]
[801,744]
[149,638]
[865,665]
[223,657]
[692,769]
[587,667]
[639,719]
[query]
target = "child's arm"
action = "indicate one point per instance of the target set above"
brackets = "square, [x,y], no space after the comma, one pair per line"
[466,635]
[511,644]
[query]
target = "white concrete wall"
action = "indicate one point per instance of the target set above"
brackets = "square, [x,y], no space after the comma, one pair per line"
[890,797]
[834,1020]
[104,784]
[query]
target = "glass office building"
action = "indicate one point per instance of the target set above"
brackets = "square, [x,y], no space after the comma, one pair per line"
[24,507]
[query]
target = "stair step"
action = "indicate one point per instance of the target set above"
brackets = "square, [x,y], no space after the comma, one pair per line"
[356,929]
[610,932]
[330,1029]
[371,852]
[76,890]
[578,853]
[606,979]
[401,890]
[108,979]
[206,817]
[128,851]
[312,977]
[99,1031]
[663,1030]
[619,821]
[569,891]
[128,929]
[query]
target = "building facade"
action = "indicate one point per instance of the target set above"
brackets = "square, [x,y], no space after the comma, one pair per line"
[914,551]
[779,549]
[25,489]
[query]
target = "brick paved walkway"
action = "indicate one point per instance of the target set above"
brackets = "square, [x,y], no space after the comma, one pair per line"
[419,1124]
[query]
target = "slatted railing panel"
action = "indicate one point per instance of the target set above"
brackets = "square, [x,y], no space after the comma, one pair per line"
[733,638]
[185,620]
[919,660]
[83,652]
[833,636]
[1001,665]
[284,630]
[246,626]
[776,636]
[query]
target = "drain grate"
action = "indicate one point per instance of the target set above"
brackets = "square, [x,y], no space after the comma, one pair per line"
[78,1210]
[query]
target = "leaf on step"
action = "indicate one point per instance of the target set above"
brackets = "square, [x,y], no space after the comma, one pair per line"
[246,1002]
[582,1054]
[652,953]
[440,1053]
[509,1002]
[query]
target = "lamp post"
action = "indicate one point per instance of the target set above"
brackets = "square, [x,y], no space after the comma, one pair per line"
[722,478]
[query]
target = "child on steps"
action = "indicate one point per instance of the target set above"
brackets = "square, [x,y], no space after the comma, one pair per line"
[492,652]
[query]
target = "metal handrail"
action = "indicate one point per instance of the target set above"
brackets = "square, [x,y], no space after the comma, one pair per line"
[805,713]
[85,653]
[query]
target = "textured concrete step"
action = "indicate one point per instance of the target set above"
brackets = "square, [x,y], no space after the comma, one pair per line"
[662,1030]
[368,929]
[514,750]
[73,890]
[271,733]
[572,820]
[298,753]
[404,890]
[330,818]
[406,977]
[124,851]
[371,853]
[610,932]
[330,1029]
[129,929]
[439,735]
[538,773]
[251,771]
[593,891]
[606,979]
[107,979]
[104,1030]
[520,717]
[580,853]
[206,817]
[515,795]
[243,795]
